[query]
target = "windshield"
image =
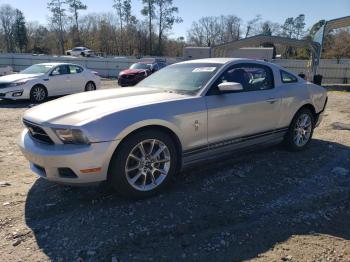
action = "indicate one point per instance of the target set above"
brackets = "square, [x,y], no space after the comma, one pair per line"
[182,77]
[141,66]
[37,69]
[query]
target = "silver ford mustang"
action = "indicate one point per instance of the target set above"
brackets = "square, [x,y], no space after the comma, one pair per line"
[138,138]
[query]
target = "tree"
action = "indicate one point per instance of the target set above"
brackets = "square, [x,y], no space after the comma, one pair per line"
[317,26]
[294,27]
[212,30]
[299,24]
[20,31]
[57,19]
[288,27]
[266,29]
[149,11]
[7,19]
[251,25]
[166,18]
[337,45]
[74,7]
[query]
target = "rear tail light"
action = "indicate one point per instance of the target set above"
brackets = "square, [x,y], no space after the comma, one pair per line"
[95,73]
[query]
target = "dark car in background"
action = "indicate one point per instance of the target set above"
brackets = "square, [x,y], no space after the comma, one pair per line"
[139,71]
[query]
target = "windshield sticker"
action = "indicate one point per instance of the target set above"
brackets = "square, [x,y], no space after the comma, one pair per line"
[204,69]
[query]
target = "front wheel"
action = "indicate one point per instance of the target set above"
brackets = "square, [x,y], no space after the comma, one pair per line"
[300,131]
[38,94]
[144,164]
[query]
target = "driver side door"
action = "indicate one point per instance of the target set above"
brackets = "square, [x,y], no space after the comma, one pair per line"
[58,81]
[241,118]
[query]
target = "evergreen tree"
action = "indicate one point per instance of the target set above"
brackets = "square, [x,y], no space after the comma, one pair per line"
[20,31]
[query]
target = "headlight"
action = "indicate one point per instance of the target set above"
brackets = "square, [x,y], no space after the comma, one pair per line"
[18,83]
[72,136]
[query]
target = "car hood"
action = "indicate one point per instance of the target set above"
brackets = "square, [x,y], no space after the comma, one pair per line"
[16,77]
[133,71]
[79,109]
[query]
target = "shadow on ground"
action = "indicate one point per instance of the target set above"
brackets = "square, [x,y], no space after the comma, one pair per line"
[5,103]
[227,211]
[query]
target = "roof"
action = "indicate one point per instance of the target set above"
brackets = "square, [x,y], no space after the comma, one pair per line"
[212,60]
[56,64]
[337,23]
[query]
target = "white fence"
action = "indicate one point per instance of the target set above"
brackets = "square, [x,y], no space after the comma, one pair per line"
[106,67]
[333,73]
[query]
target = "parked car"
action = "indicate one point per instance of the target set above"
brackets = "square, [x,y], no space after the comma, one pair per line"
[40,81]
[137,138]
[8,70]
[80,51]
[138,71]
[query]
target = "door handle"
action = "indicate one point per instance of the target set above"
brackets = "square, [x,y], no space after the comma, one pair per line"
[272,100]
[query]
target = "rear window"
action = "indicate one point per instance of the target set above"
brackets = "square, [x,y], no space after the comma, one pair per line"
[288,78]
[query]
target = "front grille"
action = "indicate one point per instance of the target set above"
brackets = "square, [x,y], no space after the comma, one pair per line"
[128,76]
[38,133]
[4,85]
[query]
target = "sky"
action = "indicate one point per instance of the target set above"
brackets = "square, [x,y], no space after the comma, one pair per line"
[192,10]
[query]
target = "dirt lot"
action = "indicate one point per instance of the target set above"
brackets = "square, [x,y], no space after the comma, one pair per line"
[270,205]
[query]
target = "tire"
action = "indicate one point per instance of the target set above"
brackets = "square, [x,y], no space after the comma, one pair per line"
[150,171]
[38,94]
[90,86]
[82,54]
[68,53]
[300,131]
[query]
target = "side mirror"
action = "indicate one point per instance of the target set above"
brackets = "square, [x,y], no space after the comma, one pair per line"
[230,86]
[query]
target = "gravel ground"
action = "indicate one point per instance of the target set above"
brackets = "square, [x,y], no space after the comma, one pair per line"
[270,205]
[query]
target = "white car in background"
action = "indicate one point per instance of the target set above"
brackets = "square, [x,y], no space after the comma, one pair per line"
[40,81]
[80,51]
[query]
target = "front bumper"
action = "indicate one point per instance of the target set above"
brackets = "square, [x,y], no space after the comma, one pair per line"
[123,81]
[14,94]
[47,160]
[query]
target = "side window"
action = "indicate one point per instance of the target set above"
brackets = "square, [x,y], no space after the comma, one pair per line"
[287,78]
[253,77]
[60,70]
[75,69]
[155,67]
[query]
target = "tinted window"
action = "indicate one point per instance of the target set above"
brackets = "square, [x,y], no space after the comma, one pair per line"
[288,78]
[75,69]
[77,49]
[252,77]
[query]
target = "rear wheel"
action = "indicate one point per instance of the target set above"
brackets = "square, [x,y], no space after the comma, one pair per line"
[301,130]
[38,94]
[90,86]
[144,164]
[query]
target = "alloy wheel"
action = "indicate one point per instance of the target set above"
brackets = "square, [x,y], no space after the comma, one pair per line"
[147,165]
[39,94]
[302,130]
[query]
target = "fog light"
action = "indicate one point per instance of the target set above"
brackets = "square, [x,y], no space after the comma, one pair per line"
[15,94]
